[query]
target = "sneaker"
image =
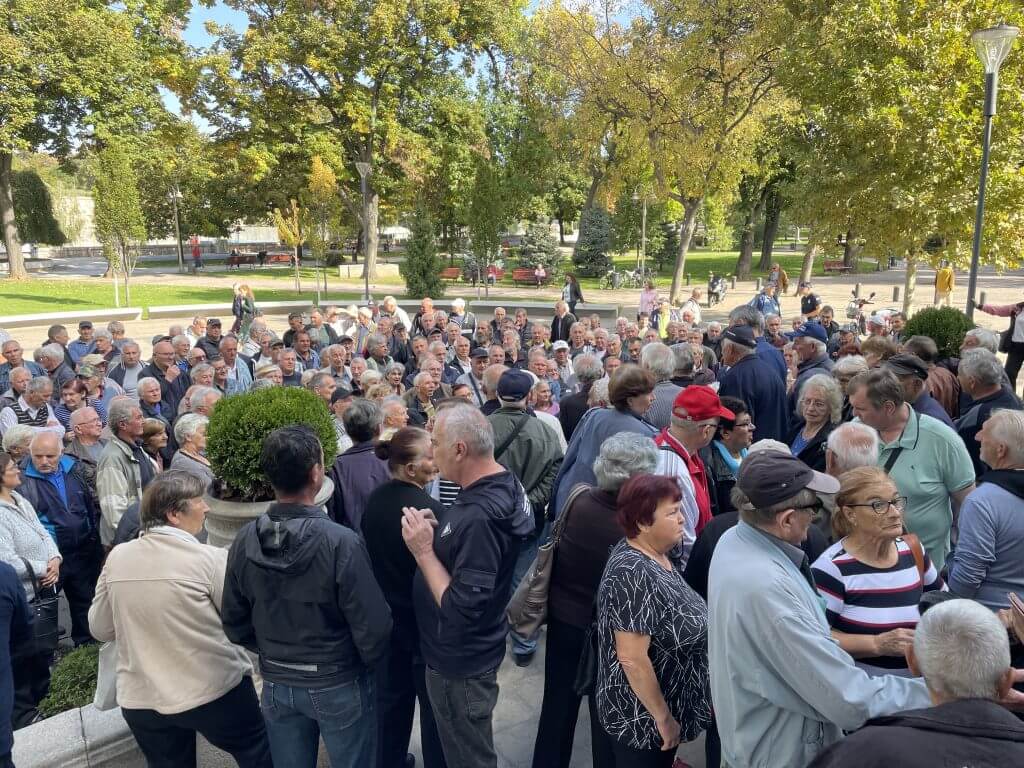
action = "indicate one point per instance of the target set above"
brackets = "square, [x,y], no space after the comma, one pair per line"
[523,660]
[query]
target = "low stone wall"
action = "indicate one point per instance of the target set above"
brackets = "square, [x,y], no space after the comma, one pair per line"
[97,316]
[78,738]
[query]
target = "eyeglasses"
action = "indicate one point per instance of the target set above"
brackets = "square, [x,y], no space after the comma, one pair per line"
[745,425]
[881,507]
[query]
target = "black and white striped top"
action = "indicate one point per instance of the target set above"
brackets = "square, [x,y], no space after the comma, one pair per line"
[863,600]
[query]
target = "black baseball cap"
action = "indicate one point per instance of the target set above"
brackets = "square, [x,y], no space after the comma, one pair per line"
[341,393]
[84,324]
[768,477]
[740,334]
[479,353]
[214,321]
[514,385]
[905,364]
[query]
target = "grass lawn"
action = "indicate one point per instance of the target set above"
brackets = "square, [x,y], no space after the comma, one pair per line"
[38,296]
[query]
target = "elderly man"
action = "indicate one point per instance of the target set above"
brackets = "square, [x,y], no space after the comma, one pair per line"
[980,375]
[52,359]
[182,349]
[389,308]
[336,359]
[913,375]
[33,409]
[129,370]
[766,351]
[754,382]
[321,334]
[989,558]
[61,490]
[290,371]
[809,342]
[474,377]
[18,383]
[459,356]
[305,356]
[942,382]
[14,357]
[377,357]
[464,581]
[196,330]
[925,459]
[210,341]
[766,302]
[362,329]
[341,399]
[783,690]
[87,443]
[961,651]
[357,471]
[849,446]
[422,399]
[660,360]
[322,385]
[152,404]
[239,372]
[465,320]
[103,346]
[562,322]
[124,469]
[396,415]
[173,383]
[586,369]
[203,400]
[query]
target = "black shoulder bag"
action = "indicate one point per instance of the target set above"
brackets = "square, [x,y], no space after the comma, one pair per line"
[45,628]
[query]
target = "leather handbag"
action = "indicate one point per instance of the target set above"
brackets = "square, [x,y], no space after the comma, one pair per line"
[528,608]
[45,627]
[586,669]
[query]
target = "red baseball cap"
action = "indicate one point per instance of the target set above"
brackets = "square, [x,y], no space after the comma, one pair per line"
[700,403]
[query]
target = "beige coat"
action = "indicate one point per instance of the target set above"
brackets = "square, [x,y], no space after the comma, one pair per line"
[159,596]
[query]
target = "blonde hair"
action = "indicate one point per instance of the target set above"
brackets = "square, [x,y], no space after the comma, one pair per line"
[854,484]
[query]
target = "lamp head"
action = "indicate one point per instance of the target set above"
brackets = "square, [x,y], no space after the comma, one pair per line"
[993,44]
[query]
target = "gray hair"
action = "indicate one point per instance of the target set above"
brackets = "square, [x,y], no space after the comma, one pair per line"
[598,396]
[683,359]
[38,384]
[852,445]
[962,650]
[201,369]
[186,427]
[168,492]
[851,364]
[393,366]
[319,379]
[329,350]
[120,411]
[18,436]
[115,326]
[180,338]
[622,456]
[146,381]
[587,368]
[982,365]
[374,340]
[741,350]
[818,346]
[49,352]
[362,420]
[80,415]
[390,401]
[264,370]
[761,517]
[130,343]
[833,395]
[986,339]
[371,377]
[102,333]
[714,325]
[198,396]
[659,360]
[46,435]
[191,353]
[747,315]
[463,423]
[421,377]
[1007,427]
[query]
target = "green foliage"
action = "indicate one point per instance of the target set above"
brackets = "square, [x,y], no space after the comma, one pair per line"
[422,267]
[239,424]
[595,240]
[715,217]
[539,246]
[669,244]
[946,326]
[33,210]
[73,681]
[120,225]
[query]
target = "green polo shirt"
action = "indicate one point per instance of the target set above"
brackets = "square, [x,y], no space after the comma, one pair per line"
[934,464]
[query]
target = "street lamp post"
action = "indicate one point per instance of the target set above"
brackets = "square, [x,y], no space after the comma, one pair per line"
[364,174]
[992,46]
[175,196]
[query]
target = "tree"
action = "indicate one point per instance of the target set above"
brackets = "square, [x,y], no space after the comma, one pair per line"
[540,247]
[323,205]
[568,195]
[117,214]
[34,212]
[593,243]
[293,227]
[422,267]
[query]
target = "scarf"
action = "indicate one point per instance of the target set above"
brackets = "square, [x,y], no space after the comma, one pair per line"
[698,474]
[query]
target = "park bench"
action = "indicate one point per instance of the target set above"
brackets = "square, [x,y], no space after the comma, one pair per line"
[240,259]
[279,258]
[451,273]
[836,265]
[525,275]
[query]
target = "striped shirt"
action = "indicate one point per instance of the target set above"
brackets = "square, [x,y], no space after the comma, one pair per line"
[863,600]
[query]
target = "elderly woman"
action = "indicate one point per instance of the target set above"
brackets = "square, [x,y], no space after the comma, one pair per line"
[154,441]
[630,392]
[202,375]
[543,398]
[598,395]
[270,373]
[410,462]
[358,471]
[873,577]
[190,434]
[820,406]
[728,448]
[393,376]
[652,632]
[73,396]
[792,362]
[177,673]
[591,529]
[843,372]
[16,440]
[25,545]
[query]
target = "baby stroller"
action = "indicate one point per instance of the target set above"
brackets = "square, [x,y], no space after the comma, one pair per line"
[716,289]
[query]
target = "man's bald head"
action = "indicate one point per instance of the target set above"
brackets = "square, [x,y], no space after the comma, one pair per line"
[46,450]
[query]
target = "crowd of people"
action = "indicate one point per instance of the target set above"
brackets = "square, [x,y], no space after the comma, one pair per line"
[807,544]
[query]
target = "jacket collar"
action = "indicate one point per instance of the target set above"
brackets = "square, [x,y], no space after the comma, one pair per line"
[279,511]
[66,464]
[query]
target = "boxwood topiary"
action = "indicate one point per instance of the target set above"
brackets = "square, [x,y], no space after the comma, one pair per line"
[238,425]
[73,682]
[946,326]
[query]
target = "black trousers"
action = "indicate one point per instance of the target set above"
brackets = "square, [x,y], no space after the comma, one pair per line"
[560,707]
[79,572]
[232,723]
[627,757]
[1014,359]
[400,682]
[31,673]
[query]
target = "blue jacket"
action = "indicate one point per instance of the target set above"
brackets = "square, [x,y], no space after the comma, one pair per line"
[751,380]
[772,355]
[70,519]
[15,629]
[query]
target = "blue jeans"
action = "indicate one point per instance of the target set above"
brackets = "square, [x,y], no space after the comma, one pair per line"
[344,715]
[524,646]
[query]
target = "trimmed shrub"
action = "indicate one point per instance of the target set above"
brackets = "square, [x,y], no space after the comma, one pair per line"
[73,681]
[539,246]
[421,268]
[238,426]
[590,258]
[946,326]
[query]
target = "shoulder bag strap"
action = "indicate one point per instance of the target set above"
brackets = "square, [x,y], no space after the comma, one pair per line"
[556,531]
[917,551]
[32,576]
[891,461]
[512,436]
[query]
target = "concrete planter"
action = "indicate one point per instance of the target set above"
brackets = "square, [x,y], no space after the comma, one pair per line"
[226,518]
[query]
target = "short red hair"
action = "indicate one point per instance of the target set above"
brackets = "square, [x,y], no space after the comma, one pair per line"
[640,496]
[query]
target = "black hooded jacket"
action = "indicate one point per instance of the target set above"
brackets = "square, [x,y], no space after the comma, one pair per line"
[477,541]
[971,733]
[300,592]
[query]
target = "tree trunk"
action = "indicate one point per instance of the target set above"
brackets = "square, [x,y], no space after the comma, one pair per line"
[370,233]
[910,286]
[810,253]
[850,250]
[117,292]
[772,211]
[746,256]
[15,261]
[298,258]
[561,231]
[690,208]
